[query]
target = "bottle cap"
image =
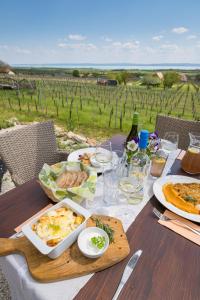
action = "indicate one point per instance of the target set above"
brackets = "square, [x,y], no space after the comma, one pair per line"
[135,118]
[144,137]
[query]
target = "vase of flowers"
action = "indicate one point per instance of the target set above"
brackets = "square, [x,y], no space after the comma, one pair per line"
[153,146]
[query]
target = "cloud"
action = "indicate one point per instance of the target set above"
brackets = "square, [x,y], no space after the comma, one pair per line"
[107,39]
[170,47]
[76,37]
[83,46]
[15,49]
[157,38]
[21,50]
[191,37]
[180,30]
[4,47]
[127,45]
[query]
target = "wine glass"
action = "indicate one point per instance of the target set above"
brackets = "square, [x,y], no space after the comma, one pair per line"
[170,141]
[103,154]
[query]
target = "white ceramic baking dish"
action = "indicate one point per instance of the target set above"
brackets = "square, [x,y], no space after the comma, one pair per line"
[54,252]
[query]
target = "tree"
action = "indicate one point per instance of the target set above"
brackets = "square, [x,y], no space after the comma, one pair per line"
[170,78]
[197,78]
[151,81]
[75,73]
[124,77]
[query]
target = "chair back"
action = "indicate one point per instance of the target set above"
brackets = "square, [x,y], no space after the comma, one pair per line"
[182,127]
[24,150]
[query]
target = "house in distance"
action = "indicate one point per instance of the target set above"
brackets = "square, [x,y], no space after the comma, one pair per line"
[104,81]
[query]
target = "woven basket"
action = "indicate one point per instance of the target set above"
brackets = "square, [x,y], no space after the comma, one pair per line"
[48,192]
[75,193]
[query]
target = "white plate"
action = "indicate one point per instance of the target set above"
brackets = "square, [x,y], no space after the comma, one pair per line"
[74,156]
[157,188]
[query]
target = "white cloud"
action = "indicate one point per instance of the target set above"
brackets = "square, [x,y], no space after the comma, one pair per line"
[21,50]
[170,47]
[127,45]
[76,37]
[180,30]
[107,39]
[84,46]
[157,38]
[4,47]
[191,37]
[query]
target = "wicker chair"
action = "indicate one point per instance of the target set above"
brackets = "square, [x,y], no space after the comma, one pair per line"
[182,127]
[25,150]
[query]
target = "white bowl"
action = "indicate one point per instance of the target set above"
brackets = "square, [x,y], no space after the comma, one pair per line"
[85,245]
[54,252]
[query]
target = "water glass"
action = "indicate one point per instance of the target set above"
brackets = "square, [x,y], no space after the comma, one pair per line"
[170,141]
[103,154]
[119,163]
[110,187]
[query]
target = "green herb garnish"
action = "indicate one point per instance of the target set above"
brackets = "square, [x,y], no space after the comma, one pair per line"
[55,227]
[106,228]
[190,199]
[98,241]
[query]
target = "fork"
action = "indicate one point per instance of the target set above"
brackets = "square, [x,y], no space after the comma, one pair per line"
[165,218]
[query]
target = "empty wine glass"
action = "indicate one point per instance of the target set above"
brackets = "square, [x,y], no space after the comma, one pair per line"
[170,141]
[103,154]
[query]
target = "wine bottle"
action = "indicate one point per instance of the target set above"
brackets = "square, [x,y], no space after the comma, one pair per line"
[133,134]
[140,164]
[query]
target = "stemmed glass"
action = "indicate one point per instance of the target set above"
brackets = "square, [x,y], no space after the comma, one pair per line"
[103,155]
[170,141]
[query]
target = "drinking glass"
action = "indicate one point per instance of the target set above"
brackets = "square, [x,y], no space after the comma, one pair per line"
[110,187]
[119,163]
[158,162]
[131,188]
[170,141]
[103,154]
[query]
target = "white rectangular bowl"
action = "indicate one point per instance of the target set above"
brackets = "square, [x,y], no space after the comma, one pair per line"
[54,252]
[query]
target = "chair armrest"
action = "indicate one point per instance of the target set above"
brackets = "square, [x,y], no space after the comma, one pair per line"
[62,155]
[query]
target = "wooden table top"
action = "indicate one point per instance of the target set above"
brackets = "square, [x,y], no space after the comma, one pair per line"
[169,267]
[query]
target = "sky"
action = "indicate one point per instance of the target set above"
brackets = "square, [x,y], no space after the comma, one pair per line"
[99,31]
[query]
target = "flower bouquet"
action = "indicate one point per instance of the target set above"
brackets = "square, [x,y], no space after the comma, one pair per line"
[153,146]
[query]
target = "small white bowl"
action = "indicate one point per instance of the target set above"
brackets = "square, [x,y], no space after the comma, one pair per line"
[85,244]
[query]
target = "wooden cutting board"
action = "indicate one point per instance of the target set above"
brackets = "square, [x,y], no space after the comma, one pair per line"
[71,263]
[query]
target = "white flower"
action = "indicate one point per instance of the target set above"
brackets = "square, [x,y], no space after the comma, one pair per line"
[132,146]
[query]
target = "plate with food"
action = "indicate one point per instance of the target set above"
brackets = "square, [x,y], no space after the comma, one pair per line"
[180,194]
[87,157]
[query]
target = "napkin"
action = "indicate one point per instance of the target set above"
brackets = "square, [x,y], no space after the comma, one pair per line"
[181,154]
[180,229]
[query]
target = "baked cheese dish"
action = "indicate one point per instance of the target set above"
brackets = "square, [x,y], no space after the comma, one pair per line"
[56,225]
[185,196]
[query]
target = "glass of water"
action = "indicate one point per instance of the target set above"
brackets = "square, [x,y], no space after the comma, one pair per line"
[103,154]
[110,179]
[170,141]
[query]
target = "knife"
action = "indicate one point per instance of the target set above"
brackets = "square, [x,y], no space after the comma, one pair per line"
[127,272]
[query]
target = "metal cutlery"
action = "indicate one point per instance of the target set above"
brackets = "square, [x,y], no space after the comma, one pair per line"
[127,272]
[178,222]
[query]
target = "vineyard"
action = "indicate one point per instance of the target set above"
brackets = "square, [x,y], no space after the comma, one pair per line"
[87,107]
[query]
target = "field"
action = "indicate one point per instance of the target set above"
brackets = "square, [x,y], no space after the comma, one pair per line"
[82,106]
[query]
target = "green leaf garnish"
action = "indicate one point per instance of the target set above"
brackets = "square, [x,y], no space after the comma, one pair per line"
[190,199]
[98,241]
[106,228]
[55,228]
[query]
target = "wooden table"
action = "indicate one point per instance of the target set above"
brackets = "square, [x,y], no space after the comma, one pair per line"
[169,267]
